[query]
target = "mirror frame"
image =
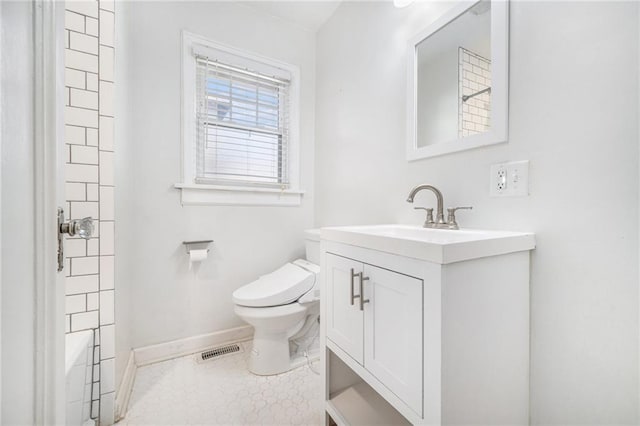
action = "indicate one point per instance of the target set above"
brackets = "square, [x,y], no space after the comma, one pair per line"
[499,84]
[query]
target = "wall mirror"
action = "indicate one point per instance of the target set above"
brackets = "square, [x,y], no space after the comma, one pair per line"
[458,81]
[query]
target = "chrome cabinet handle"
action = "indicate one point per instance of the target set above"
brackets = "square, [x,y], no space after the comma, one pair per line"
[353,276]
[362,299]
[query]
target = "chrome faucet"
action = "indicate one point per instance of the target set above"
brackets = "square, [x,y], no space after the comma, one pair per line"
[439,222]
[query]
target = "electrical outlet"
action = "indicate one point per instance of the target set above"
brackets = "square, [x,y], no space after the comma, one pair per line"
[509,179]
[502,179]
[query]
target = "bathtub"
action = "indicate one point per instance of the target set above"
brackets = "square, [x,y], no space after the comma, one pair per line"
[78,375]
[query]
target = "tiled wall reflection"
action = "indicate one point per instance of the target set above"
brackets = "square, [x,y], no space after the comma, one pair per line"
[474,75]
[89,62]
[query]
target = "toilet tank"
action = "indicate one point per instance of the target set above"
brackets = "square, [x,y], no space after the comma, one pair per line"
[312,245]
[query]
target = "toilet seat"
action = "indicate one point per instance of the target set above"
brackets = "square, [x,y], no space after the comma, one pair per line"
[292,309]
[280,287]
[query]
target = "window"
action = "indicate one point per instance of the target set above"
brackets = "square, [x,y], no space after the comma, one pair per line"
[240,127]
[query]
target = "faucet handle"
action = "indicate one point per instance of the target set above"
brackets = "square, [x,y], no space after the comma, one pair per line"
[428,222]
[451,216]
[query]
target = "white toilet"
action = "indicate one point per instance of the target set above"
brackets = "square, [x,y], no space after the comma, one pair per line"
[283,307]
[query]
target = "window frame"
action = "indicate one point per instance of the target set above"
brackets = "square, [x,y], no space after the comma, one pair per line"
[193,193]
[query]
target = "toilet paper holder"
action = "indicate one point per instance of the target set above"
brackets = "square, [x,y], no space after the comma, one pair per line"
[197,245]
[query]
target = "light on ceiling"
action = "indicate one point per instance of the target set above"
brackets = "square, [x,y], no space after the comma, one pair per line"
[402,3]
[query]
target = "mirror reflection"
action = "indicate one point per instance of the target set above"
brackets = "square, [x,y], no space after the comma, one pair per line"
[454,79]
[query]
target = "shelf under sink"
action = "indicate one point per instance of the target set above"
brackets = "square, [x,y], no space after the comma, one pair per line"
[359,404]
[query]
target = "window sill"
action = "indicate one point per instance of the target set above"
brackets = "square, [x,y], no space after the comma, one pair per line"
[217,195]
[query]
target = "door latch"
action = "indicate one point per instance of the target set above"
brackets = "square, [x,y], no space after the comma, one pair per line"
[83,228]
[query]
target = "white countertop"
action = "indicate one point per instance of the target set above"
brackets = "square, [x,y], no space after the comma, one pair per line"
[433,245]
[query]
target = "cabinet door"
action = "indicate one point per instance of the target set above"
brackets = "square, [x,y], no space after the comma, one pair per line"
[344,322]
[393,333]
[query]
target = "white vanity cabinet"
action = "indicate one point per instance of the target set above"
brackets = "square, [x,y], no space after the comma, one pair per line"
[375,316]
[425,328]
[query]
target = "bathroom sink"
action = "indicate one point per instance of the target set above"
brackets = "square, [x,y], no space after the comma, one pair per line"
[434,245]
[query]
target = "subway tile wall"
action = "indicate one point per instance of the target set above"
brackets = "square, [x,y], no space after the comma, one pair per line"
[474,75]
[89,81]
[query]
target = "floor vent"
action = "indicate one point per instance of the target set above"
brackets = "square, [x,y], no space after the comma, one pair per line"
[216,353]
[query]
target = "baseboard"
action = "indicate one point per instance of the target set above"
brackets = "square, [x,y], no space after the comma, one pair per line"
[177,348]
[125,388]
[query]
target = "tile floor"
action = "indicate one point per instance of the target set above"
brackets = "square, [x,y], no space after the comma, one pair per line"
[221,391]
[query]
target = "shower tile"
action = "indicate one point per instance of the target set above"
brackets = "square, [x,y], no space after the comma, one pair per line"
[107,5]
[107,374]
[95,391]
[107,408]
[106,28]
[106,203]
[74,78]
[106,63]
[106,238]
[89,58]
[91,26]
[107,307]
[92,192]
[73,21]
[84,265]
[81,284]
[92,137]
[84,43]
[84,154]
[81,209]
[106,272]
[95,409]
[74,135]
[107,341]
[106,98]
[80,61]
[106,168]
[106,133]
[84,321]
[92,81]
[93,302]
[93,247]
[75,247]
[83,99]
[75,191]
[83,7]
[75,304]
[81,117]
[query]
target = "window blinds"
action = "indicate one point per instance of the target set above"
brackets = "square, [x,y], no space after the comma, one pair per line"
[242,126]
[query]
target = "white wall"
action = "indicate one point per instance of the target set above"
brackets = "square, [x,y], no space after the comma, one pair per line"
[18,281]
[573,114]
[167,300]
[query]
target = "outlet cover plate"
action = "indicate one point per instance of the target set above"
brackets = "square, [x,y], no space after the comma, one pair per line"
[509,179]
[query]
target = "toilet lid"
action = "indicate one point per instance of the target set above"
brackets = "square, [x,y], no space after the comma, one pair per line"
[282,286]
